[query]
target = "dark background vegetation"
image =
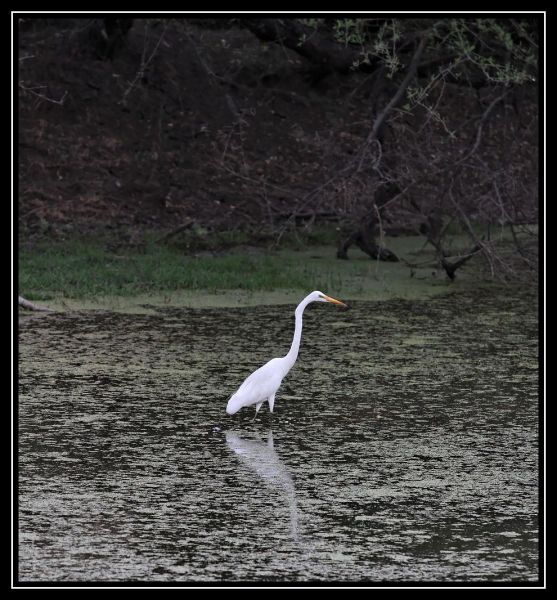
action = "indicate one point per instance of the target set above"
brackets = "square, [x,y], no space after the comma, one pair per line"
[369,127]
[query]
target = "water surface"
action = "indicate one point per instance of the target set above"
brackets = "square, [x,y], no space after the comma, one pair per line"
[403,446]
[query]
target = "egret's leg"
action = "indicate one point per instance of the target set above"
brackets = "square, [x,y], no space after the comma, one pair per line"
[271,402]
[257,407]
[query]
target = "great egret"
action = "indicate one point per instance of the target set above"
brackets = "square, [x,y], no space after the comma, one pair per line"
[263,384]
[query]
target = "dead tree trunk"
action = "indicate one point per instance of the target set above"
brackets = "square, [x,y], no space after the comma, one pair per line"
[364,234]
[432,230]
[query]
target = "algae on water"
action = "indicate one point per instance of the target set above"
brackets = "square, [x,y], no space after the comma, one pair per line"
[404,443]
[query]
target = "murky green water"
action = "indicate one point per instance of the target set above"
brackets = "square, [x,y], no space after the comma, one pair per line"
[403,446]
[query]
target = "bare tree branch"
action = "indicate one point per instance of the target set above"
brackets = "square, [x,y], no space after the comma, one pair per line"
[399,94]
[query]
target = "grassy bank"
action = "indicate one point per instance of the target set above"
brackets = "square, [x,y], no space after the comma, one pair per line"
[86,273]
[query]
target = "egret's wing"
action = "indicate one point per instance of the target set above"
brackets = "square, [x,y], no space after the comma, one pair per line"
[259,385]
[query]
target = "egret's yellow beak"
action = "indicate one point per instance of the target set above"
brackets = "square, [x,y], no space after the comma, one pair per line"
[333,301]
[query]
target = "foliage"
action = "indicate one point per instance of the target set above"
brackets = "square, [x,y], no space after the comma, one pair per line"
[502,51]
[446,163]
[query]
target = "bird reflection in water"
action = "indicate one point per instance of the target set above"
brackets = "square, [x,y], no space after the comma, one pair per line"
[261,458]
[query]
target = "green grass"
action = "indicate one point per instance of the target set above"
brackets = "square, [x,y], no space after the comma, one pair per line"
[88,272]
[85,269]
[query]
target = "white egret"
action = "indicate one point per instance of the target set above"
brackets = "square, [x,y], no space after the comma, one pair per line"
[263,384]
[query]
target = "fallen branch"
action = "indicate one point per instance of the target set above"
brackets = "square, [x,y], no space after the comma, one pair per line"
[31,306]
[175,231]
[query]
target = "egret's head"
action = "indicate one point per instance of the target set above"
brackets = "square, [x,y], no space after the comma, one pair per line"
[321,297]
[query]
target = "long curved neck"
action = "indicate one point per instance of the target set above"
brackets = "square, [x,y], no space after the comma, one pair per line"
[293,353]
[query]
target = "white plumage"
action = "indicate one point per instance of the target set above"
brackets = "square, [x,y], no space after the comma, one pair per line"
[263,384]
